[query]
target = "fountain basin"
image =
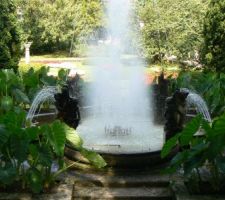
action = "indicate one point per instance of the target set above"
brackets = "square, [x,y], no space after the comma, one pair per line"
[112,154]
[123,160]
[120,146]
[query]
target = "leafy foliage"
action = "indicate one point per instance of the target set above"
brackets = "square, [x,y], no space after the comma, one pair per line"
[53,25]
[28,153]
[171,26]
[204,150]
[209,85]
[213,50]
[28,148]
[56,137]
[10,36]
[76,142]
[18,89]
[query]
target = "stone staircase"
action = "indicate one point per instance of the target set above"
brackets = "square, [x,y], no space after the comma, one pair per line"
[121,184]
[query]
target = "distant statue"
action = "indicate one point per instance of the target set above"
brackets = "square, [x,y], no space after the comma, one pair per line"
[175,112]
[67,103]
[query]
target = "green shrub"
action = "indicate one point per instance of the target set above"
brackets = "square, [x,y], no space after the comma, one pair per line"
[196,152]
[23,68]
[29,152]
[209,85]
[9,37]
[214,37]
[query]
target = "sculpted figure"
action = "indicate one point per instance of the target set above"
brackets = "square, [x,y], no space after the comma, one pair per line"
[175,112]
[67,103]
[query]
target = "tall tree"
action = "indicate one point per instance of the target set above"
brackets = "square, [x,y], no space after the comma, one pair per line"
[52,24]
[9,35]
[172,26]
[213,53]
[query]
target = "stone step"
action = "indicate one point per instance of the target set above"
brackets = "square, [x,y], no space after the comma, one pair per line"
[121,182]
[134,180]
[95,192]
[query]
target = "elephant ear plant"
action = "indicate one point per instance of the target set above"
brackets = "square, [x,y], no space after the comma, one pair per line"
[199,151]
[29,154]
[31,157]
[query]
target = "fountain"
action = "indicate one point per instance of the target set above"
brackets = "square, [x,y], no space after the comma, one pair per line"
[118,121]
[45,95]
[194,99]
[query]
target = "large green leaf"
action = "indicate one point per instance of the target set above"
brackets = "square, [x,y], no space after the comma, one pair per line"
[35,180]
[20,96]
[169,145]
[45,156]
[44,78]
[40,155]
[195,162]
[216,146]
[33,154]
[94,158]
[7,175]
[48,80]
[176,162]
[6,103]
[4,135]
[30,78]
[76,142]
[13,119]
[190,129]
[195,157]
[19,144]
[56,135]
[32,132]
[73,138]
[62,74]
[219,125]
[207,128]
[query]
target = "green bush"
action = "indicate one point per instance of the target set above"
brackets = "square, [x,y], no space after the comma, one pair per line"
[23,68]
[28,153]
[9,37]
[171,26]
[210,85]
[196,152]
[22,87]
[214,37]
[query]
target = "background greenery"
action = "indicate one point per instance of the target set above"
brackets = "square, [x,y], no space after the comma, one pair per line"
[170,26]
[9,35]
[209,85]
[33,156]
[53,25]
[214,46]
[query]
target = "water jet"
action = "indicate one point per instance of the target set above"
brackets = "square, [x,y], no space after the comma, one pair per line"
[118,120]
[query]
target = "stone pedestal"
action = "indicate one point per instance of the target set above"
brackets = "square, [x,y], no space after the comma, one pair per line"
[27,52]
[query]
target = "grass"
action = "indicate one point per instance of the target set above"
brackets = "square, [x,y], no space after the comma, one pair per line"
[162,67]
[37,61]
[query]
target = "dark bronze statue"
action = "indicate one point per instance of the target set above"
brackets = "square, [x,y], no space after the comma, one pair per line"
[175,112]
[67,102]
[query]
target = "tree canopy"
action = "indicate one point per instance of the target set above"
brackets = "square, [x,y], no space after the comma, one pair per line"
[10,35]
[172,26]
[52,24]
[214,36]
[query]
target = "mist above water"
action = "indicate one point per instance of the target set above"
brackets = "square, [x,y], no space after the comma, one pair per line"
[119,118]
